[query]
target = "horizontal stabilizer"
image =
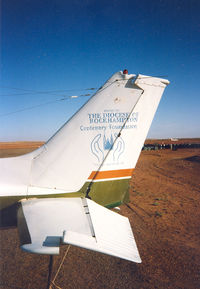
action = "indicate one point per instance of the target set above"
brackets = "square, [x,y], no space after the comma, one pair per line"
[112,234]
[45,224]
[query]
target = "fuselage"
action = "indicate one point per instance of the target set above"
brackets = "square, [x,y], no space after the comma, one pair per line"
[117,193]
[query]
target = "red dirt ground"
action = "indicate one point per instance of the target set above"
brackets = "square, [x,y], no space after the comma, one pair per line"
[165,216]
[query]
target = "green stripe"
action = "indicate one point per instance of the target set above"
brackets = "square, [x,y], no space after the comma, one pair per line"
[106,193]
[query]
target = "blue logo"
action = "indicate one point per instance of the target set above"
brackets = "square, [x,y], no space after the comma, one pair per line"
[102,145]
[108,143]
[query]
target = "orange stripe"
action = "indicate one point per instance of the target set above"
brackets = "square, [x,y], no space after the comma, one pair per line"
[111,174]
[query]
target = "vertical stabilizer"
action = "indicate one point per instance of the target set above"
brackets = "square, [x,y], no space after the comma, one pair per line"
[102,141]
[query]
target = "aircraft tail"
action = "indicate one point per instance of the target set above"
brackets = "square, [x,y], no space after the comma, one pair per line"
[95,152]
[102,141]
[92,155]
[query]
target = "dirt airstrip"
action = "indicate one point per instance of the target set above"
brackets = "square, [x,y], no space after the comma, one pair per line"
[164,211]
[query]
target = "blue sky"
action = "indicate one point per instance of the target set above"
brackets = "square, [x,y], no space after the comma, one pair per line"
[55,46]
